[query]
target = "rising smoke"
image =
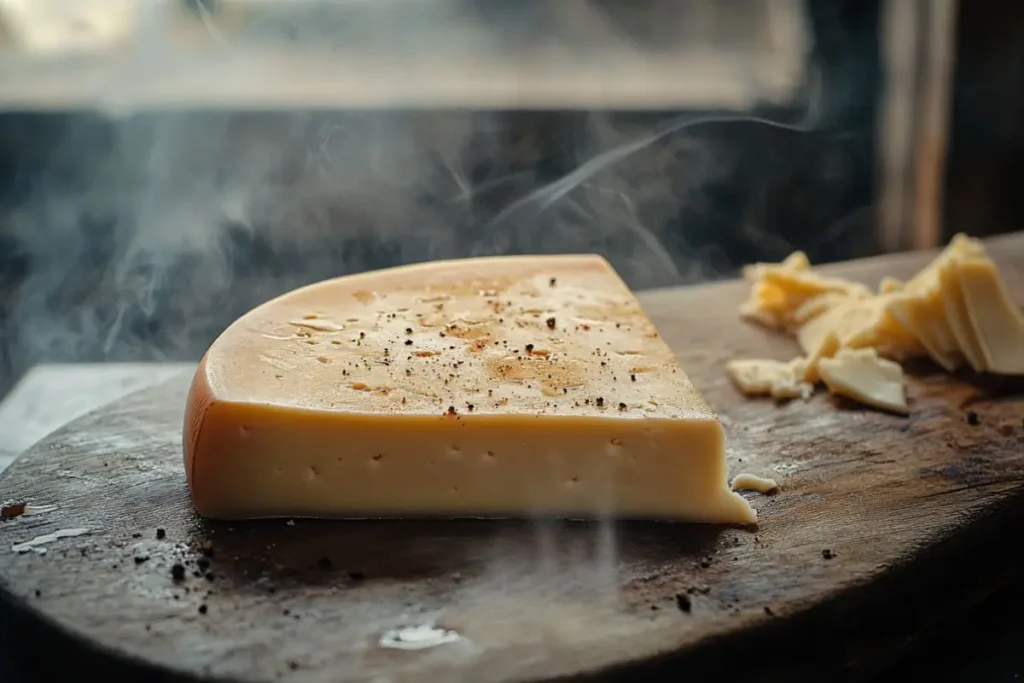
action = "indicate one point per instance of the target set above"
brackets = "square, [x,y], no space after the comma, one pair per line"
[147,233]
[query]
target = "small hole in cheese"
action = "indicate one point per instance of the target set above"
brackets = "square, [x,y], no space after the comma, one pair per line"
[323,359]
[616,442]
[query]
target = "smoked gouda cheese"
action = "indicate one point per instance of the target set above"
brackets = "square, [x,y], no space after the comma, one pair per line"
[493,387]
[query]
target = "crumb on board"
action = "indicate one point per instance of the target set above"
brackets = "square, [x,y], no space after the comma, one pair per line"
[752,482]
[11,510]
[853,338]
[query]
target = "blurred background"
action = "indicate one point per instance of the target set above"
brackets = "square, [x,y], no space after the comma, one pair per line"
[167,165]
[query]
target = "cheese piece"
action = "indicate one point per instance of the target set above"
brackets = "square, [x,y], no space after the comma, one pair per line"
[765,377]
[888,285]
[861,323]
[860,374]
[752,482]
[955,308]
[492,387]
[923,316]
[997,324]
[874,326]
[781,294]
[827,348]
[819,305]
[796,261]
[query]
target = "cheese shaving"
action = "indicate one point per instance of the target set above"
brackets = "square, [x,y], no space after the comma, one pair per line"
[955,310]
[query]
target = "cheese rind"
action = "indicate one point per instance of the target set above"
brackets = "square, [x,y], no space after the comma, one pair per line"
[504,387]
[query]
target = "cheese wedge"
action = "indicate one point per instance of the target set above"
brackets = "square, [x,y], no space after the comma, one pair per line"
[494,387]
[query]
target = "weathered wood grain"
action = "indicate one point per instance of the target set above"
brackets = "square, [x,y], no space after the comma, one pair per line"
[903,505]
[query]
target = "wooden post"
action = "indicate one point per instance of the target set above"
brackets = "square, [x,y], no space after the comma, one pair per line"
[918,48]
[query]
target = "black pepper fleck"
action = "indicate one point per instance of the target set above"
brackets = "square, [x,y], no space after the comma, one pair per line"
[139,559]
[160,534]
[622,406]
[600,402]
[683,602]
[408,342]
[529,348]
[552,282]
[827,554]
[550,323]
[973,419]
[632,378]
[202,609]
[178,572]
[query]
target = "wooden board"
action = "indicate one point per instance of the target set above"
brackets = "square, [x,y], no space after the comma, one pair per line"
[910,511]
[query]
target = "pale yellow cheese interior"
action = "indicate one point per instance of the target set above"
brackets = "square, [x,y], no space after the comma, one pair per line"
[510,387]
[956,311]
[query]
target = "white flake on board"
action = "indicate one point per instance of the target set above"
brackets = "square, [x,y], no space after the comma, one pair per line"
[418,637]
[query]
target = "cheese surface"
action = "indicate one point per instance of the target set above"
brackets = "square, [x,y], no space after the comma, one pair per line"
[508,387]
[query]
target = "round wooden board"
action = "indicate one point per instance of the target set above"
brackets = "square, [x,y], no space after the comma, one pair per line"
[309,601]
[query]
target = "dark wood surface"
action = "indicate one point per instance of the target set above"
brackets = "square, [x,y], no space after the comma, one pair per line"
[912,512]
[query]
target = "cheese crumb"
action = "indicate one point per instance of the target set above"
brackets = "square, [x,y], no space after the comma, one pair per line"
[763,377]
[752,482]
